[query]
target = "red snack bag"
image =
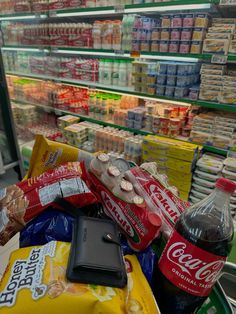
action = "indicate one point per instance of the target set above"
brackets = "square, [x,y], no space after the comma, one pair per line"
[22,202]
[159,199]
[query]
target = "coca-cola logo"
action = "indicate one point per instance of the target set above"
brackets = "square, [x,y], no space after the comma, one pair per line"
[166,205]
[116,212]
[178,254]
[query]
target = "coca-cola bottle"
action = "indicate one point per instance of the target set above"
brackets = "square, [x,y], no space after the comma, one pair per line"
[195,253]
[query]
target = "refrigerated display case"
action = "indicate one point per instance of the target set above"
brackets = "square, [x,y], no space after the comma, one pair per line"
[9,151]
[104,62]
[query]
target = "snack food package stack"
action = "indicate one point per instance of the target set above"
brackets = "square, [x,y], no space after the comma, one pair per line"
[76,134]
[171,79]
[174,158]
[212,128]
[211,81]
[219,36]
[208,171]
[229,172]
[67,120]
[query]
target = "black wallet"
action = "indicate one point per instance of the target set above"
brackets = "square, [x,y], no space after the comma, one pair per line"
[95,255]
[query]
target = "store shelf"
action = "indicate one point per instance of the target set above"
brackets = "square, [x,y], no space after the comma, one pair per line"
[25,48]
[111,53]
[147,8]
[22,16]
[188,57]
[60,112]
[129,91]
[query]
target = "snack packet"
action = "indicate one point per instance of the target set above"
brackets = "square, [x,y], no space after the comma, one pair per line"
[48,154]
[35,282]
[21,202]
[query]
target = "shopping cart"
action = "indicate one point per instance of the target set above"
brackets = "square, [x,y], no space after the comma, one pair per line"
[218,303]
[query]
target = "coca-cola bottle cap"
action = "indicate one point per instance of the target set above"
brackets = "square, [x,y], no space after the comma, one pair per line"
[226,185]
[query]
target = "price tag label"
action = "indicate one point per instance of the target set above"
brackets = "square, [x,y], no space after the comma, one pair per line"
[228,2]
[119,52]
[135,54]
[120,8]
[219,59]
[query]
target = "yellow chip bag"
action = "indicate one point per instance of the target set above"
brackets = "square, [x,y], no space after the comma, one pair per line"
[48,154]
[35,283]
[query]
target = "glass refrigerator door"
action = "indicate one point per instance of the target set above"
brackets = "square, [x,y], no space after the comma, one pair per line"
[9,151]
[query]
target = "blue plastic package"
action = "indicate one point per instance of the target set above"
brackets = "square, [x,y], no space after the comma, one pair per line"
[53,225]
[49,226]
[147,259]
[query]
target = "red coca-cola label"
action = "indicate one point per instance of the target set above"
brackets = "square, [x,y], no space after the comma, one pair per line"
[189,267]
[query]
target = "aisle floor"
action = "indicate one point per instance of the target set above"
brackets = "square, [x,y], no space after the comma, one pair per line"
[8,178]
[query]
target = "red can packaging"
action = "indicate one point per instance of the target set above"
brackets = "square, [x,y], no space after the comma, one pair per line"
[158,198]
[137,222]
[19,203]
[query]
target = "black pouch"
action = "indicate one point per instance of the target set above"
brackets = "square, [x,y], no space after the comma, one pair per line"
[95,254]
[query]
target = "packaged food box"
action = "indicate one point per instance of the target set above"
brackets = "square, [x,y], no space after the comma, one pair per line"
[219,36]
[202,189]
[67,120]
[223,28]
[201,20]
[181,185]
[198,194]
[203,182]
[211,95]
[230,164]
[206,176]
[194,199]
[229,174]
[196,47]
[216,46]
[210,163]
[183,195]
[174,148]
[232,46]
[199,34]
[221,142]
[178,175]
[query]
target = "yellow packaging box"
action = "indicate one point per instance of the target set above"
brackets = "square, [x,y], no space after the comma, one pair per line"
[184,195]
[170,163]
[170,147]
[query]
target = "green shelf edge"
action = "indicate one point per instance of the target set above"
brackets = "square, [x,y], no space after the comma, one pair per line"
[51,49]
[201,103]
[140,6]
[27,15]
[206,148]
